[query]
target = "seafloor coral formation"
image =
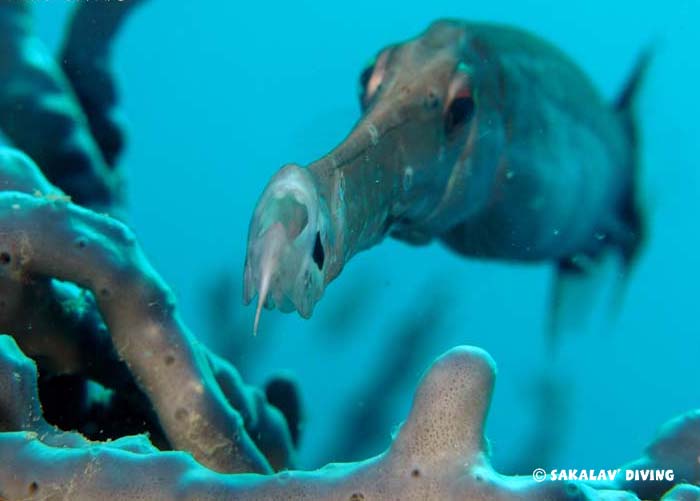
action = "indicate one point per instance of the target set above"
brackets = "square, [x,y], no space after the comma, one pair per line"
[96,345]
[440,452]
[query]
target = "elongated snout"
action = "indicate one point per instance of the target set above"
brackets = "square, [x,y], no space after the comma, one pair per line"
[284,265]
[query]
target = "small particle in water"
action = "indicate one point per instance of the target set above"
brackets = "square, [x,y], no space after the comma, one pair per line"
[600,236]
[555,232]
[462,67]
[510,174]
[408,178]
[441,154]
[537,203]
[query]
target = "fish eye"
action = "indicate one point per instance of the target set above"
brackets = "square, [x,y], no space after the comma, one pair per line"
[364,79]
[371,79]
[460,103]
[459,112]
[318,254]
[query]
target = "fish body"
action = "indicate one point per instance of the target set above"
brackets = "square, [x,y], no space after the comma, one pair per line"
[484,137]
[553,159]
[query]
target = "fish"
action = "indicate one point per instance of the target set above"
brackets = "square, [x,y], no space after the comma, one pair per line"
[482,136]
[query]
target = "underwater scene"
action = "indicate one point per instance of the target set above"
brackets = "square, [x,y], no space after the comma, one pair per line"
[349,251]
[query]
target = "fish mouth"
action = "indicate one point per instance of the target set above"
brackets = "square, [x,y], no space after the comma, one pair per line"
[280,265]
[273,242]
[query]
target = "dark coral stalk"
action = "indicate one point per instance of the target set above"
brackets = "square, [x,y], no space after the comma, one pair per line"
[85,59]
[40,114]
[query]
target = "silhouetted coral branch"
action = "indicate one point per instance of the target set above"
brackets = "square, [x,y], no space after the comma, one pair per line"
[41,115]
[367,412]
[85,58]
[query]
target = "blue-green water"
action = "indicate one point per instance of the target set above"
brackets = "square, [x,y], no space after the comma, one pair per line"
[220,94]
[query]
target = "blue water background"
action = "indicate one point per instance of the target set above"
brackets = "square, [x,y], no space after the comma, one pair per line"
[219,95]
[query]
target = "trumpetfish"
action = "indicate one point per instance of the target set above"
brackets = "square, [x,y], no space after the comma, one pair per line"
[485,137]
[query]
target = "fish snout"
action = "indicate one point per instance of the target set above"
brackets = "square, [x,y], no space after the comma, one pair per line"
[285,256]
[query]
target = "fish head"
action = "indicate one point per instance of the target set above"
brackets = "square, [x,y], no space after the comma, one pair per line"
[286,258]
[418,98]
[417,109]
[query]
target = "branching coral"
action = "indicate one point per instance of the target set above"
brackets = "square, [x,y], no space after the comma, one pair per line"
[126,335]
[439,453]
[56,324]
[85,58]
[50,237]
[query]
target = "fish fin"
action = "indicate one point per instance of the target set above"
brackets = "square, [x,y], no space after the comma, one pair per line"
[626,97]
[411,236]
[630,227]
[581,293]
[577,279]
[572,293]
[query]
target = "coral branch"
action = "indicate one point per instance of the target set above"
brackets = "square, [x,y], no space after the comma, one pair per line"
[58,325]
[440,453]
[683,493]
[49,237]
[52,322]
[40,114]
[266,424]
[20,409]
[85,59]
[677,447]
[58,239]
[19,399]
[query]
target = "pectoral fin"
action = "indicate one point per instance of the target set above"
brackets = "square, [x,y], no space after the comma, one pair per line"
[578,290]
